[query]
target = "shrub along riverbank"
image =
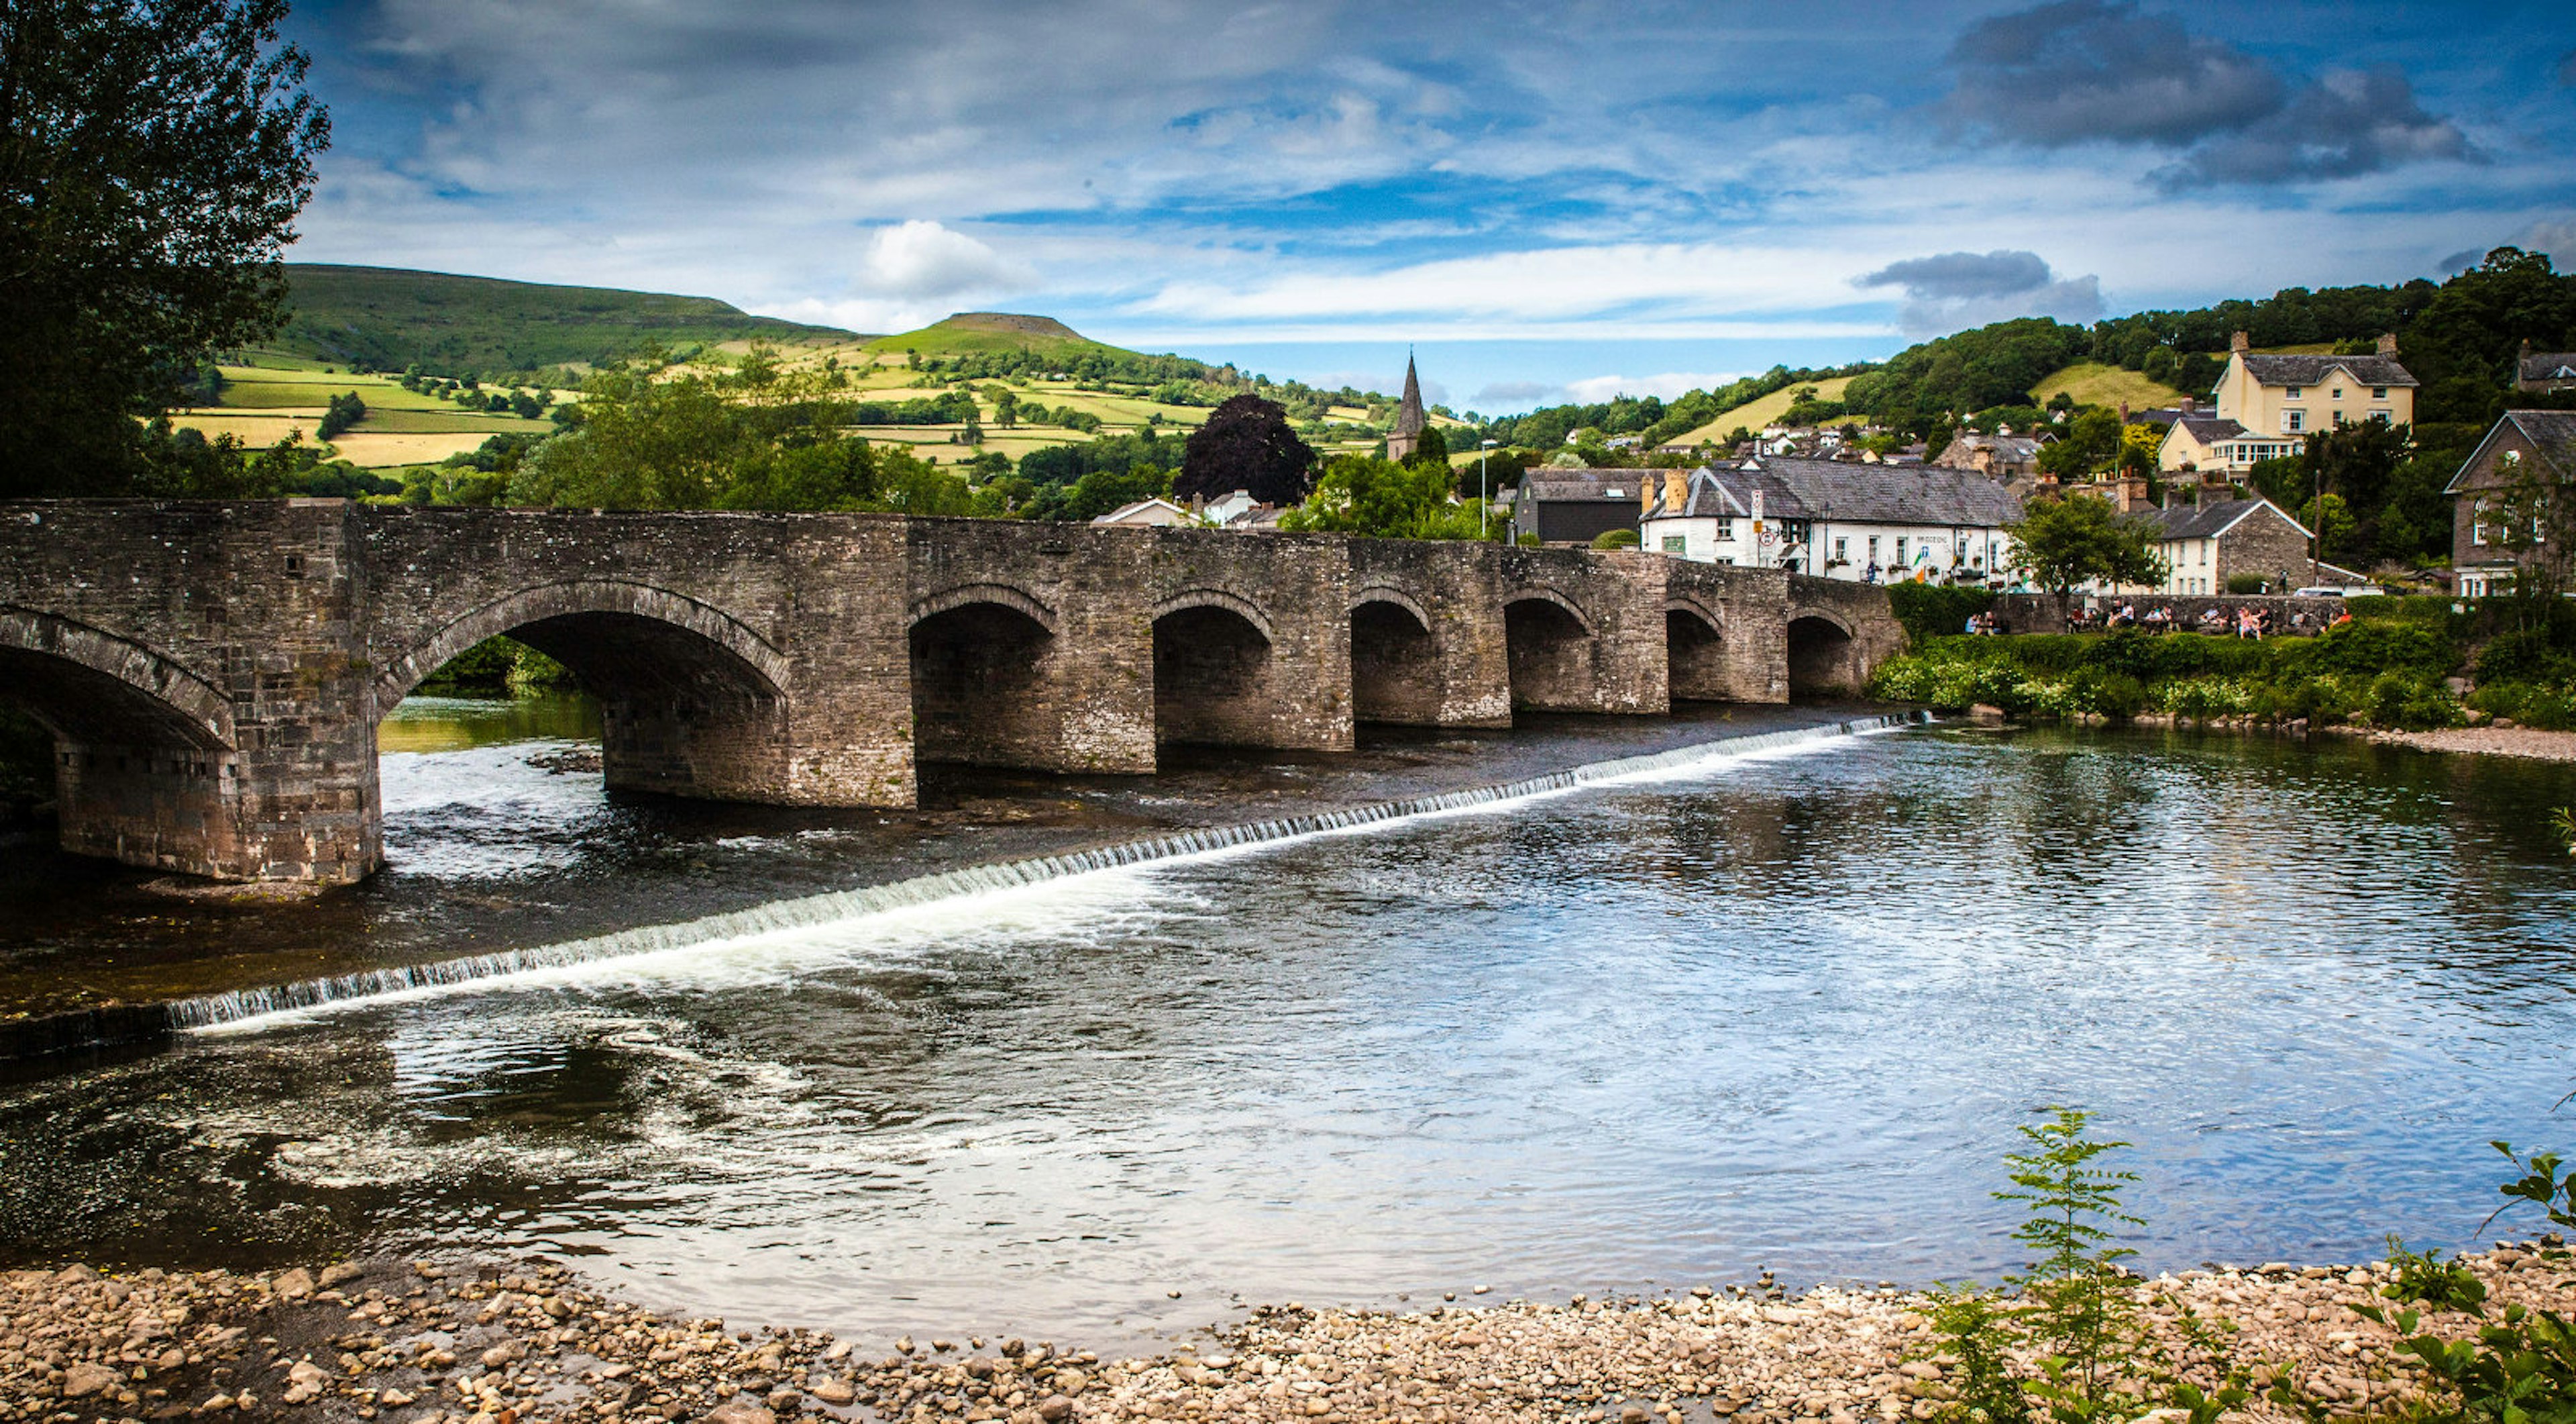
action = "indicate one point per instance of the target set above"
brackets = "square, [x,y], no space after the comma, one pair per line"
[2402,663]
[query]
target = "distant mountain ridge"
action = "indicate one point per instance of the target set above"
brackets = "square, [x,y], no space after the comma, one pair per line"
[391,318]
[994,333]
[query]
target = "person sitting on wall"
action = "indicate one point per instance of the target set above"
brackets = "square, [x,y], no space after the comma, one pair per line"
[2211,620]
[2343,617]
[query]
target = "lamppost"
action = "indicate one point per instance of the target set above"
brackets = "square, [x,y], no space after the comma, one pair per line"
[1484,502]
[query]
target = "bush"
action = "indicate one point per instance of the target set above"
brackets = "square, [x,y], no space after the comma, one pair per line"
[2532,705]
[2245,583]
[1616,539]
[1930,611]
[2411,701]
[2526,655]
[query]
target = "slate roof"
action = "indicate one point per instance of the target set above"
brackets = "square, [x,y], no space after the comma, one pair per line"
[1854,493]
[1544,483]
[2552,433]
[2210,429]
[2014,447]
[2312,370]
[2549,366]
[2208,521]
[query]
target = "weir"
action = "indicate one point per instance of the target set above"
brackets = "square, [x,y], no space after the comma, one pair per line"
[246,1008]
[214,673]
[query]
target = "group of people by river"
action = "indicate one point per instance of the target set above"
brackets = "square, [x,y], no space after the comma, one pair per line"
[2243,621]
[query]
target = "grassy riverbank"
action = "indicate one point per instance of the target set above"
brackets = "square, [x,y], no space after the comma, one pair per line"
[2411,664]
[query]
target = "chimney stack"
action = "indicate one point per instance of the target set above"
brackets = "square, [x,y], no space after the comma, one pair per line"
[2388,344]
[1676,491]
[2238,343]
[1646,495]
[2526,346]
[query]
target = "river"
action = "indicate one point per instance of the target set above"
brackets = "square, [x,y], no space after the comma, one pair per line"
[1782,1009]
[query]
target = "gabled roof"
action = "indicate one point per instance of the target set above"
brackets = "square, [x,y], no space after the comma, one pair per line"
[2215,518]
[1849,492]
[2209,429]
[2017,447]
[2552,433]
[2313,370]
[1137,512]
[2549,366]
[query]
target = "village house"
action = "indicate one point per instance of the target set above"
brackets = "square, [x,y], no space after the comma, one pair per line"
[1156,512]
[1563,506]
[2529,448]
[2268,403]
[2001,456]
[1833,518]
[2206,544]
[2543,372]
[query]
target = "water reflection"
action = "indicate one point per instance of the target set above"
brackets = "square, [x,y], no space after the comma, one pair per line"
[1786,1014]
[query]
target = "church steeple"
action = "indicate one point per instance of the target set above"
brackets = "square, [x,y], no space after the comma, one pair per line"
[1409,420]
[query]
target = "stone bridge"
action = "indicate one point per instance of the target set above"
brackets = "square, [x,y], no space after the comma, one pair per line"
[214,673]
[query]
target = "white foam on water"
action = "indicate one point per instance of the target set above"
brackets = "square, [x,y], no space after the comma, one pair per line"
[906,917]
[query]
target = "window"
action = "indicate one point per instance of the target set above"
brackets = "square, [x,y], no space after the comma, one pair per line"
[2338,393]
[1900,551]
[1676,543]
[2478,522]
[1873,548]
[1726,531]
[1842,550]
[2294,421]
[2294,393]
[2379,392]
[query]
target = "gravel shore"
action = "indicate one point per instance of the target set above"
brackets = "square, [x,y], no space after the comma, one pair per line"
[462,1343]
[2494,741]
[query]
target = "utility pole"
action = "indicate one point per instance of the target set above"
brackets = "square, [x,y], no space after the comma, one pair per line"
[1484,501]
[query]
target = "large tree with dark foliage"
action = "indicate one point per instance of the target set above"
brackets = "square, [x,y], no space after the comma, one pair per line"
[153,155]
[1246,445]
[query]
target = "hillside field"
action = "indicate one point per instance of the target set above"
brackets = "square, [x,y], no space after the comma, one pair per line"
[2092,383]
[1766,410]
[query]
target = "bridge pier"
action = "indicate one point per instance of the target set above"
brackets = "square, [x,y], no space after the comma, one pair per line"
[1252,641]
[1584,631]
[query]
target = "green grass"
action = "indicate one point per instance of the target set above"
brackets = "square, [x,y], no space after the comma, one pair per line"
[392,318]
[1765,410]
[980,333]
[2093,383]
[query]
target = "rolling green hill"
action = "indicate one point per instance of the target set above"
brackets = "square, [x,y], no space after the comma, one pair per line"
[390,319]
[2094,383]
[978,333]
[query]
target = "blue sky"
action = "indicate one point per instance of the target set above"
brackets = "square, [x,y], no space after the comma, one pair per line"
[1548,201]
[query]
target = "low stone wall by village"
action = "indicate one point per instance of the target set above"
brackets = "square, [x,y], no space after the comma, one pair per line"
[2047,613]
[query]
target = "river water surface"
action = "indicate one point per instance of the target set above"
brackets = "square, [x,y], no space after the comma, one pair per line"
[1777,1010]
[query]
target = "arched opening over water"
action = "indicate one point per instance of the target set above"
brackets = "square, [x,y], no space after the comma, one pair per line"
[1823,659]
[977,686]
[1212,669]
[1550,652]
[691,703]
[134,752]
[1695,653]
[1395,663]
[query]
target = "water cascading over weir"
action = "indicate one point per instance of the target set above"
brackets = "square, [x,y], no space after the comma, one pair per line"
[214,673]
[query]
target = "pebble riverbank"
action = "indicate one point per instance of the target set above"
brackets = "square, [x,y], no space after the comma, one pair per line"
[471,1343]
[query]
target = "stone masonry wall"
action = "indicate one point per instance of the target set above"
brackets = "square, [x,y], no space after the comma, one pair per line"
[1252,639]
[1613,659]
[1748,659]
[1458,673]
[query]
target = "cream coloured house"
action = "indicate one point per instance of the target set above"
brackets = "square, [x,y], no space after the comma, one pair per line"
[2292,395]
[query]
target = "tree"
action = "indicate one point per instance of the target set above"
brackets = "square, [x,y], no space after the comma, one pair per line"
[1245,445]
[2090,442]
[1432,450]
[1362,494]
[2070,540]
[1006,408]
[153,155]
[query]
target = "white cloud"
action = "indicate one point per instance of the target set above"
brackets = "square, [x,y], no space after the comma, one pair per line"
[1592,390]
[924,260]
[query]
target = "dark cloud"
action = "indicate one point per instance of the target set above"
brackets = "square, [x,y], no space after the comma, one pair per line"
[1953,275]
[2085,71]
[2347,123]
[2082,70]
[1953,291]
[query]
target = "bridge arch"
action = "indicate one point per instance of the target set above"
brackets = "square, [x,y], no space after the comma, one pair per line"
[1214,672]
[1549,645]
[579,600]
[1217,598]
[1694,650]
[691,701]
[1396,671]
[964,595]
[81,680]
[1824,654]
[984,675]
